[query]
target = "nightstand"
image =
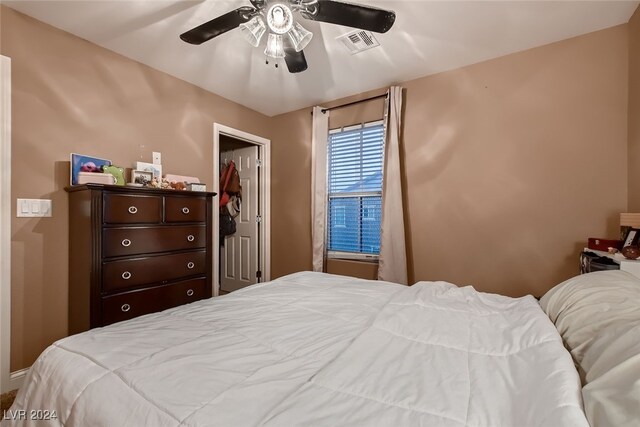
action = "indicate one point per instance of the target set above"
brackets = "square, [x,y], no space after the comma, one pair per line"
[628,265]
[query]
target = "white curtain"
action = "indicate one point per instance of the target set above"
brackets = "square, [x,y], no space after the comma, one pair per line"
[319,185]
[392,264]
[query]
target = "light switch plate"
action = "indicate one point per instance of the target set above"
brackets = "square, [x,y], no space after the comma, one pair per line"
[157,158]
[33,208]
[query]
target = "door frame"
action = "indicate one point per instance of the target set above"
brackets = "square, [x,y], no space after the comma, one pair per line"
[264,150]
[8,380]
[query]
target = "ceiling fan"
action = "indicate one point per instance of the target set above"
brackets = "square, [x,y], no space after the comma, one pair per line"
[280,22]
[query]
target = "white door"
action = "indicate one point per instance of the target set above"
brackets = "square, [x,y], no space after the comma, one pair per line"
[239,256]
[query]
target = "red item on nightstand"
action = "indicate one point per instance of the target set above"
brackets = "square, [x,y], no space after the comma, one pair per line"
[604,244]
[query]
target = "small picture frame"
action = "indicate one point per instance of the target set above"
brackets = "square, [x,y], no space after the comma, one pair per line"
[142,178]
[82,163]
[156,170]
[631,238]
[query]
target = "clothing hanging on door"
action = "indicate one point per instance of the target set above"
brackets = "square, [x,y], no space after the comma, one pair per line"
[230,199]
[229,183]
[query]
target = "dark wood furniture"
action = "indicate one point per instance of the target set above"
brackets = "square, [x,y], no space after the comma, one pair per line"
[134,251]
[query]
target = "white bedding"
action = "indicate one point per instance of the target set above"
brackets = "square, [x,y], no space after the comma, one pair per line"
[316,349]
[598,316]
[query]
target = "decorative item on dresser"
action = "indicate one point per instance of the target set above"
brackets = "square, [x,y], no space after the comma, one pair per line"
[136,251]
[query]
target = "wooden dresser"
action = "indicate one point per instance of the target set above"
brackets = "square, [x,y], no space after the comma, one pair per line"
[135,251]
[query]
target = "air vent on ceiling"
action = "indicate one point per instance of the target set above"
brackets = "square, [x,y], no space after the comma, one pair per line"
[358,41]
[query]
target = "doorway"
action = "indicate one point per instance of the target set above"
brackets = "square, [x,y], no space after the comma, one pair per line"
[243,258]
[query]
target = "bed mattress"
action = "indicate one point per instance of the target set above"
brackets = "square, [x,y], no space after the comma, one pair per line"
[315,349]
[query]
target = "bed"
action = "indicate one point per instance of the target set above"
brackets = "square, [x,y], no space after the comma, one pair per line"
[315,349]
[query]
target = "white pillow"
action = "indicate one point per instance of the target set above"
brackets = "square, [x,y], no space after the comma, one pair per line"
[598,317]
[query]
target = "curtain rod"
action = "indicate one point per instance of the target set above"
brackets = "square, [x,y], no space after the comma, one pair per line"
[324,110]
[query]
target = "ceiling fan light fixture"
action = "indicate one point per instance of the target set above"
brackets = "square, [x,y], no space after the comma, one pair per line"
[275,18]
[300,37]
[279,18]
[253,30]
[275,46]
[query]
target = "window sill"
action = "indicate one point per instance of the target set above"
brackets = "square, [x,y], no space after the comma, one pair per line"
[346,256]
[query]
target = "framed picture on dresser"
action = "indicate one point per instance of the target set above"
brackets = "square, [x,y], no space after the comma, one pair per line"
[82,163]
[142,178]
[156,170]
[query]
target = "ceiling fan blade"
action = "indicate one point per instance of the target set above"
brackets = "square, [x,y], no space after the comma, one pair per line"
[296,62]
[217,26]
[258,4]
[351,15]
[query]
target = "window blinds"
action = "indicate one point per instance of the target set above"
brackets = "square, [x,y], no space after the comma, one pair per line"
[355,159]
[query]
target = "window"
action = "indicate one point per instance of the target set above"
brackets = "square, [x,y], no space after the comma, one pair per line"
[355,161]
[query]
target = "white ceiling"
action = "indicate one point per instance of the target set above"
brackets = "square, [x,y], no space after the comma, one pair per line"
[428,37]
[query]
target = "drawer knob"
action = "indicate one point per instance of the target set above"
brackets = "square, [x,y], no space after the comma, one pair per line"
[126,243]
[191,238]
[133,210]
[190,265]
[125,307]
[190,293]
[126,275]
[185,210]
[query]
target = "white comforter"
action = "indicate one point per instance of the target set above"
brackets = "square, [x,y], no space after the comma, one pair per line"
[315,349]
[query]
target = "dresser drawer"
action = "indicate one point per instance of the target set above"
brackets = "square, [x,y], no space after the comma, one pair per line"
[126,209]
[144,240]
[185,209]
[128,305]
[128,273]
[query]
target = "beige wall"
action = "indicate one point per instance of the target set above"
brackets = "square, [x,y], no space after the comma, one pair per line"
[509,166]
[634,112]
[70,95]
